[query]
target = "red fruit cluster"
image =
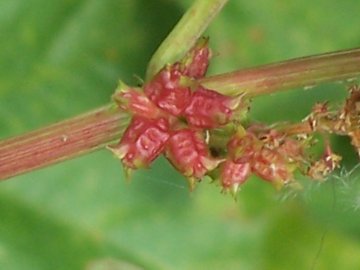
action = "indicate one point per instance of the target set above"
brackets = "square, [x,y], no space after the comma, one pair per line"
[170,116]
[173,112]
[262,154]
[273,156]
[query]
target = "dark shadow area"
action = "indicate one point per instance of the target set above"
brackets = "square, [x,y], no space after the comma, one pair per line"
[158,17]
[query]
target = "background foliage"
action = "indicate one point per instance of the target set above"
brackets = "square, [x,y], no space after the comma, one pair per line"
[60,58]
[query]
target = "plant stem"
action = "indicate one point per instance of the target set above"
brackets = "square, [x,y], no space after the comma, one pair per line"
[187,31]
[61,141]
[302,72]
[93,130]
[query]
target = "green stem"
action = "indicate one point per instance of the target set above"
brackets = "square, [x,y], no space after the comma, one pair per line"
[301,72]
[190,27]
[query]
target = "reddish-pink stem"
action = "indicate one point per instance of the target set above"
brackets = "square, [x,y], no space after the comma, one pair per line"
[301,72]
[61,141]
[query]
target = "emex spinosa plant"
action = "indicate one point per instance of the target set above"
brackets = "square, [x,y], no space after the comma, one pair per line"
[201,124]
[204,133]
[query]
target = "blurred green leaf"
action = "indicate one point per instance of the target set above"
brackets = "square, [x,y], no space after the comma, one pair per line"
[61,58]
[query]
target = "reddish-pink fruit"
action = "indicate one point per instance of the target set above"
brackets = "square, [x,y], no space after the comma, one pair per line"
[232,175]
[187,151]
[270,165]
[142,142]
[242,146]
[168,92]
[196,62]
[209,109]
[137,103]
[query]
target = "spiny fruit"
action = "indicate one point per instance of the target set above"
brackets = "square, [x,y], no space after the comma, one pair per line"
[187,150]
[243,145]
[196,62]
[232,175]
[209,109]
[135,101]
[142,142]
[271,166]
[169,90]
[171,87]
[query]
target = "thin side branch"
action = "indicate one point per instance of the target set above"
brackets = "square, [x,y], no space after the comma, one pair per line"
[185,34]
[304,72]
